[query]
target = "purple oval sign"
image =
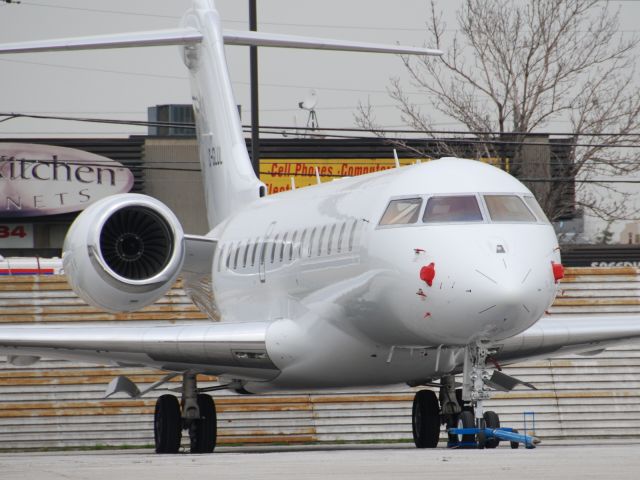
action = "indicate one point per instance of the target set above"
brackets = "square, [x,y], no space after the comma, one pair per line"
[47,180]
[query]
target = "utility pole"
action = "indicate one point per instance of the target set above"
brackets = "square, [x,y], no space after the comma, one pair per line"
[255,114]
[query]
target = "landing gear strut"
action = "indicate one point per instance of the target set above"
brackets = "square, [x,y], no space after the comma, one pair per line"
[197,416]
[474,393]
[475,374]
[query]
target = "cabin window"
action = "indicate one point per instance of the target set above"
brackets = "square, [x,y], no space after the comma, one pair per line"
[293,244]
[535,207]
[273,248]
[330,240]
[352,234]
[221,257]
[229,253]
[301,247]
[341,236]
[284,243]
[263,251]
[246,254]
[402,211]
[311,237]
[508,208]
[455,208]
[253,252]
[321,239]
[235,257]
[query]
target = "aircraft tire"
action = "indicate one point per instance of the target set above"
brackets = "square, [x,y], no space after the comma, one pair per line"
[466,419]
[492,420]
[203,432]
[452,422]
[167,424]
[426,419]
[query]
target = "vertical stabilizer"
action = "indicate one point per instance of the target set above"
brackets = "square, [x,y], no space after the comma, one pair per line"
[229,180]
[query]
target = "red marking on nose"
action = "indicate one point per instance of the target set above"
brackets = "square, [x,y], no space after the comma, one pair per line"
[427,315]
[558,271]
[420,293]
[418,250]
[428,273]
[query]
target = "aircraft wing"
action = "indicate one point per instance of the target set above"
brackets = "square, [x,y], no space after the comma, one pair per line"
[556,335]
[235,350]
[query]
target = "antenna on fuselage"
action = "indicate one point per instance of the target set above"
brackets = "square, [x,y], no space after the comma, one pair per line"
[395,155]
[318,176]
[293,183]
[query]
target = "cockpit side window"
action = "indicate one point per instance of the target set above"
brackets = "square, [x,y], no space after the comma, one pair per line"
[508,208]
[458,208]
[535,207]
[402,211]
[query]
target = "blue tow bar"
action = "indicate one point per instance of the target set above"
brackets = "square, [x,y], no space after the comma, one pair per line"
[507,434]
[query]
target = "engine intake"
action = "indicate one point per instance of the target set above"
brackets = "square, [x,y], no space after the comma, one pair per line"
[124,252]
[136,243]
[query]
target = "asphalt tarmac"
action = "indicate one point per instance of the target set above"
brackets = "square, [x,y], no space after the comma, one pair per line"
[341,462]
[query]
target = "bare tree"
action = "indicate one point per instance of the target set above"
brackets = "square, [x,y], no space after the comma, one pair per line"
[511,68]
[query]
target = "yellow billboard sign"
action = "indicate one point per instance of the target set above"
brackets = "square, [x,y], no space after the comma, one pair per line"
[277,173]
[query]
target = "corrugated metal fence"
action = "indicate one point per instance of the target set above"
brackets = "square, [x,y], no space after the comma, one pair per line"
[55,404]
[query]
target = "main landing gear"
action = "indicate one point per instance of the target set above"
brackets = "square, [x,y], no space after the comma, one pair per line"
[196,414]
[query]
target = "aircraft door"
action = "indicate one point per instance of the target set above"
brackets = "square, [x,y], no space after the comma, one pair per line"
[263,252]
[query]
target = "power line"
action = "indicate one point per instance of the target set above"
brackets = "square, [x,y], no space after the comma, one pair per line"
[144,166]
[283,130]
[99,70]
[95,10]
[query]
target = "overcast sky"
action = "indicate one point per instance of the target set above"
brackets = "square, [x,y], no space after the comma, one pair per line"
[123,83]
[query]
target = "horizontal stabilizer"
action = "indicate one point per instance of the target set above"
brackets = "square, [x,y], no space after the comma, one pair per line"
[263,39]
[176,36]
[188,36]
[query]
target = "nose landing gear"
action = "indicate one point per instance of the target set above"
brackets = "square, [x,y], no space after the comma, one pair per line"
[462,410]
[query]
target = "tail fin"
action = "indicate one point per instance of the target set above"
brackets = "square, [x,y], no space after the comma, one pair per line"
[229,181]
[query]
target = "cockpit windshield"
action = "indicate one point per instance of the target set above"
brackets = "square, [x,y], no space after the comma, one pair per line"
[508,208]
[402,211]
[534,206]
[459,208]
[464,208]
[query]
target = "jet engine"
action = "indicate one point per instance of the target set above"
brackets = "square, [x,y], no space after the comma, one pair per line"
[123,252]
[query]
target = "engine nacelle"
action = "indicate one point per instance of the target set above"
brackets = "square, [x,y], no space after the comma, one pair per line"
[123,252]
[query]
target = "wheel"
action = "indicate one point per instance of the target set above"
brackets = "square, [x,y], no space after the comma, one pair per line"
[482,440]
[452,422]
[492,420]
[167,424]
[203,432]
[466,419]
[514,445]
[426,419]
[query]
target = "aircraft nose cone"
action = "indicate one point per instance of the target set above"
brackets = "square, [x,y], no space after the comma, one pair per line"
[506,302]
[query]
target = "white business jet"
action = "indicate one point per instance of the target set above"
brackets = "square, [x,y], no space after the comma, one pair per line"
[410,275]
